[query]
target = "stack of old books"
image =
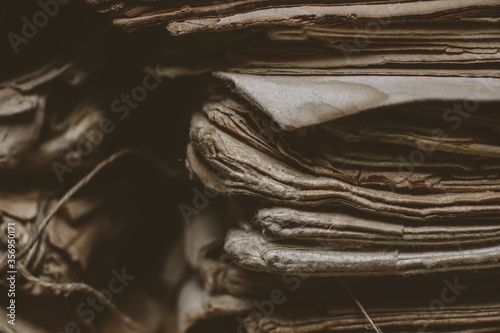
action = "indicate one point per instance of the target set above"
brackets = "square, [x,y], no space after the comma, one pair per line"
[357,146]
[348,159]
[63,235]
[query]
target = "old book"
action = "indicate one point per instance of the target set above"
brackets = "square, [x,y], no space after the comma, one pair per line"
[181,18]
[224,296]
[37,128]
